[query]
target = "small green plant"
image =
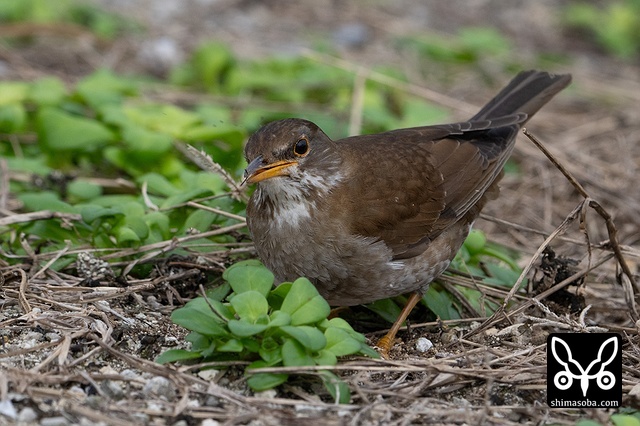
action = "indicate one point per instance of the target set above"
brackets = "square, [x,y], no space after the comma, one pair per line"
[73,142]
[468,47]
[625,417]
[100,22]
[616,26]
[286,326]
[491,264]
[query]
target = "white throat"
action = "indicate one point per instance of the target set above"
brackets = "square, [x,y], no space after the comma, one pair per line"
[290,197]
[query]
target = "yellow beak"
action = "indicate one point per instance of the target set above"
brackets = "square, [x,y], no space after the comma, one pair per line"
[257,171]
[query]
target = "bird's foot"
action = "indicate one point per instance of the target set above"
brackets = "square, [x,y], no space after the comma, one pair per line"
[384,345]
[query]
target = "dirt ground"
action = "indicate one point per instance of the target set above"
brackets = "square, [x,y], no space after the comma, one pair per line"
[74,354]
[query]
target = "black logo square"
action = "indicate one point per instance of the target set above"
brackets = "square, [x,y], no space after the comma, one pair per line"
[584,370]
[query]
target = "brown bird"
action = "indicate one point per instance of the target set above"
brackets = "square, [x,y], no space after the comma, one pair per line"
[375,216]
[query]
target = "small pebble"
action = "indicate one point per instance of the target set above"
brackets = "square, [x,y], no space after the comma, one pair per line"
[52,337]
[208,375]
[7,409]
[139,418]
[112,389]
[54,421]
[635,392]
[161,54]
[77,391]
[27,415]
[212,401]
[353,35]
[423,344]
[161,387]
[267,394]
[129,374]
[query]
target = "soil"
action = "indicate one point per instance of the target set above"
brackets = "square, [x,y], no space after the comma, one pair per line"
[75,350]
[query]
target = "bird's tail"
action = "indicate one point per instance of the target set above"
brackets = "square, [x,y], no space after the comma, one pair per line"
[526,93]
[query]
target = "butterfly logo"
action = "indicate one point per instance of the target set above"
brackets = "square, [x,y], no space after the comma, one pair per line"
[564,379]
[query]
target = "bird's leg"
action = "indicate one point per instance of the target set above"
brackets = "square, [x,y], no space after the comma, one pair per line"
[386,342]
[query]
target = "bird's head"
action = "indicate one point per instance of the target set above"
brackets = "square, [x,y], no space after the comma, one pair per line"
[292,155]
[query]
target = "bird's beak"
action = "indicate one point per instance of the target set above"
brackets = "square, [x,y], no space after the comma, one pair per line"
[257,170]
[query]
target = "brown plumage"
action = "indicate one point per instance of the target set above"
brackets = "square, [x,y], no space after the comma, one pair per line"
[374,216]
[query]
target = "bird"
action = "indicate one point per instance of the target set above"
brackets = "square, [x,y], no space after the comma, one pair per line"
[374,216]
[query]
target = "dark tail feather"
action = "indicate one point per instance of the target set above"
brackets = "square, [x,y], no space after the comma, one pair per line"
[526,93]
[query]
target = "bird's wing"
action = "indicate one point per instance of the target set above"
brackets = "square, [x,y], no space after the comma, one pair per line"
[415,183]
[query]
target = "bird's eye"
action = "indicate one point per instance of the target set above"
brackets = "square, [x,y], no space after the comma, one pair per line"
[301,148]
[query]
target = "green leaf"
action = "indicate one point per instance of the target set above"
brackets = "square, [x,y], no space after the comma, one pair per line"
[277,295]
[208,67]
[45,200]
[158,222]
[325,357]
[232,345]
[475,242]
[92,212]
[294,354]
[270,351]
[502,254]
[36,165]
[146,144]
[250,305]
[113,115]
[212,182]
[12,118]
[219,293]
[170,166]
[195,320]
[13,92]
[48,91]
[163,118]
[386,308]
[625,420]
[438,301]
[53,236]
[338,389]
[131,208]
[173,355]
[265,381]
[251,344]
[182,197]
[60,131]
[211,350]
[211,308]
[137,225]
[340,342]
[83,190]
[199,342]
[103,87]
[587,422]
[244,328]
[158,184]
[484,39]
[249,276]
[310,337]
[304,304]
[338,322]
[199,219]
[279,319]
